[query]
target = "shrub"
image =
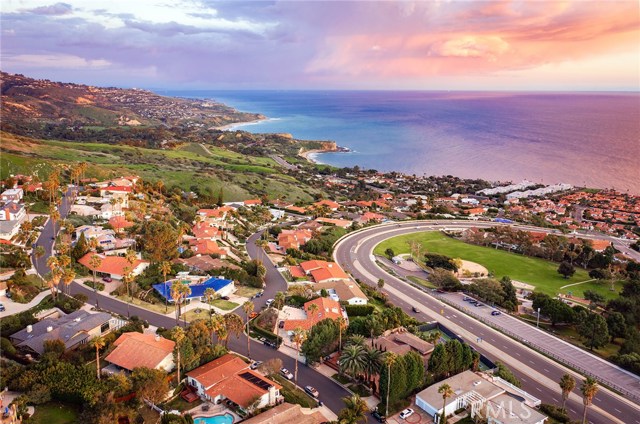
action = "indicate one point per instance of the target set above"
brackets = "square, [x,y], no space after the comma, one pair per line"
[359,310]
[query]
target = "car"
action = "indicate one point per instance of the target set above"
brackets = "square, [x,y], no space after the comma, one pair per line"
[416,310]
[406,413]
[378,416]
[467,299]
[281,324]
[479,305]
[252,315]
[496,313]
[255,364]
[269,302]
[107,279]
[8,294]
[53,238]
[286,373]
[225,298]
[312,391]
[259,294]
[2,308]
[270,344]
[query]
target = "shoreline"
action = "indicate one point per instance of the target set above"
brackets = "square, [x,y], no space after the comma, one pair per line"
[232,125]
[310,155]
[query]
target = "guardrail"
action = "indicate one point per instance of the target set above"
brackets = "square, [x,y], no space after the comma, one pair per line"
[629,394]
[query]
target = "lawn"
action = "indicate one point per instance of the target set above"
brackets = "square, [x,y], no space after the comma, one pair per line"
[225,305]
[157,307]
[421,281]
[246,291]
[538,272]
[54,413]
[292,394]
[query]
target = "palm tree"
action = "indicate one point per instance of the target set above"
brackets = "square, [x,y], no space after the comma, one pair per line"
[390,359]
[342,323]
[98,343]
[165,268]
[248,308]
[39,252]
[178,337]
[434,337]
[179,290]
[299,336]
[352,360]
[234,325]
[67,277]
[372,364]
[357,340]
[279,300]
[311,311]
[589,389]
[354,411]
[127,278]
[217,325]
[446,391]
[54,215]
[567,384]
[53,281]
[94,263]
[209,294]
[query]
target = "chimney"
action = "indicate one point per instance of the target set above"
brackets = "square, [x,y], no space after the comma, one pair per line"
[49,329]
[29,328]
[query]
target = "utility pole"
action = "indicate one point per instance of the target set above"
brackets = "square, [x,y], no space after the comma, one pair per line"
[538,319]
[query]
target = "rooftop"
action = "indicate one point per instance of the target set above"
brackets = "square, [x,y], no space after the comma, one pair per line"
[140,350]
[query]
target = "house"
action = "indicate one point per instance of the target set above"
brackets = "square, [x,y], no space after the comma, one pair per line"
[142,350]
[323,271]
[342,223]
[489,397]
[332,206]
[325,308]
[252,202]
[229,377]
[287,413]
[119,223]
[401,342]
[206,230]
[207,247]
[9,229]
[84,210]
[12,211]
[108,211]
[92,231]
[114,266]
[12,195]
[198,285]
[217,215]
[205,263]
[370,217]
[293,239]
[119,193]
[73,329]
[341,290]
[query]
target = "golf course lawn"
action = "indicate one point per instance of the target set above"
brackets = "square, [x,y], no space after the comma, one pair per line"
[538,272]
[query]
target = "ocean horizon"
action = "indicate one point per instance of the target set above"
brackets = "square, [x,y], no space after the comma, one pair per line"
[587,139]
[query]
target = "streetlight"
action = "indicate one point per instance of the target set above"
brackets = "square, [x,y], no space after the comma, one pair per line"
[538,319]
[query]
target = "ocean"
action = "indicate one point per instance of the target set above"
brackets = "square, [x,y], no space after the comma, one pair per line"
[585,139]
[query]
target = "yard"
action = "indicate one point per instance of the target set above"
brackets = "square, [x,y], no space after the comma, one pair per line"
[292,394]
[54,413]
[225,305]
[246,291]
[156,307]
[538,272]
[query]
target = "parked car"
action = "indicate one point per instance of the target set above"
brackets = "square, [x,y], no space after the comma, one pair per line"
[225,298]
[8,294]
[281,324]
[496,313]
[270,344]
[467,299]
[252,315]
[416,310]
[378,416]
[286,373]
[255,364]
[259,294]
[2,308]
[269,302]
[312,391]
[107,279]
[406,413]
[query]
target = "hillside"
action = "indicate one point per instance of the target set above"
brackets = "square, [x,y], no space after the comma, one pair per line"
[30,101]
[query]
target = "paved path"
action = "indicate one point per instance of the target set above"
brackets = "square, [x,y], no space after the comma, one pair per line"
[15,308]
[355,251]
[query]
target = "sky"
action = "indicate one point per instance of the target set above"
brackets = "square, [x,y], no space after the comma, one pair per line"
[584,45]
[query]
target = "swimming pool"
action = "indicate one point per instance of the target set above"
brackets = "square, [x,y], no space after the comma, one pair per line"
[218,419]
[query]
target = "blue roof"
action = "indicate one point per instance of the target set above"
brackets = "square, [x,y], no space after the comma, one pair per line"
[197,290]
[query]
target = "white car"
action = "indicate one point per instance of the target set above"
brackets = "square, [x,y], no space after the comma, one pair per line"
[286,373]
[312,391]
[406,413]
[255,365]
[269,302]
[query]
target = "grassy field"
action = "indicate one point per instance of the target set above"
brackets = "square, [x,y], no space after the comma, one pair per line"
[189,167]
[246,291]
[294,395]
[540,273]
[54,413]
[225,305]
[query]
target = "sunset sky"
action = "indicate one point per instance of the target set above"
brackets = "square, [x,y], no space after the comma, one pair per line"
[430,45]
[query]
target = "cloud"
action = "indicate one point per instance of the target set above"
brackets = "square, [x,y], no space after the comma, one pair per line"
[52,10]
[488,47]
[56,61]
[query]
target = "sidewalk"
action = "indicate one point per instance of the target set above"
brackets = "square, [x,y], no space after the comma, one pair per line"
[13,308]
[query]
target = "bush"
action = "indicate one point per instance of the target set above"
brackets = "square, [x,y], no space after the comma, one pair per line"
[359,310]
[89,283]
[555,412]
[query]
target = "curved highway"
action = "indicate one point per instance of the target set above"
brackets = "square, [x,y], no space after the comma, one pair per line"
[538,373]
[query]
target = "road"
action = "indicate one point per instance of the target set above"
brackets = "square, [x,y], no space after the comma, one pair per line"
[354,253]
[331,393]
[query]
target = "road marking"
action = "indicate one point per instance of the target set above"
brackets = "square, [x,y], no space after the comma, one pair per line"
[530,361]
[555,400]
[618,410]
[573,410]
[546,370]
[517,353]
[538,389]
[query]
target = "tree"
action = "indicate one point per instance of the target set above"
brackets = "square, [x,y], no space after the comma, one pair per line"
[589,389]
[567,384]
[372,362]
[446,391]
[566,269]
[39,252]
[81,248]
[380,283]
[438,362]
[444,279]
[278,300]
[98,343]
[94,263]
[159,240]
[210,295]
[178,336]
[389,252]
[594,297]
[593,328]
[299,336]
[342,323]
[390,360]
[354,411]
[352,360]
[616,325]
[434,337]
[234,325]
[505,373]
[271,366]
[248,308]
[321,340]
[415,371]
[165,268]
[150,384]
[179,291]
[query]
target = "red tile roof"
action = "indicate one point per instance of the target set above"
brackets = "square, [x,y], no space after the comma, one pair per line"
[140,350]
[327,308]
[113,265]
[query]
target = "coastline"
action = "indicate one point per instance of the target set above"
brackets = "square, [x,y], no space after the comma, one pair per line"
[233,125]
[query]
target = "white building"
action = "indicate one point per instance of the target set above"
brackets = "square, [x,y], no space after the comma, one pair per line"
[12,195]
[490,397]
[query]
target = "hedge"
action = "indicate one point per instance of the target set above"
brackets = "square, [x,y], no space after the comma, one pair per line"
[359,310]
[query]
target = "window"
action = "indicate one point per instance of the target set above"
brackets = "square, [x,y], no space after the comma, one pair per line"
[104,327]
